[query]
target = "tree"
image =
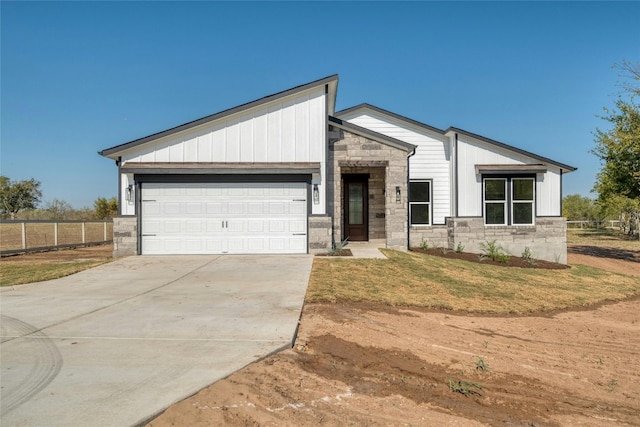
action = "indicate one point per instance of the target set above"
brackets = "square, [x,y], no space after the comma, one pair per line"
[17,196]
[618,182]
[578,208]
[59,209]
[105,209]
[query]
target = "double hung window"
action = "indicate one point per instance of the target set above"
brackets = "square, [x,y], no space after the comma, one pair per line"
[509,201]
[420,202]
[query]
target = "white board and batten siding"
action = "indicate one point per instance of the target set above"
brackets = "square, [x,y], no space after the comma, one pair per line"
[290,129]
[431,160]
[224,218]
[472,152]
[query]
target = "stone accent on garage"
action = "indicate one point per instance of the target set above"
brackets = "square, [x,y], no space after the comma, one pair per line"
[320,234]
[387,167]
[125,236]
[546,240]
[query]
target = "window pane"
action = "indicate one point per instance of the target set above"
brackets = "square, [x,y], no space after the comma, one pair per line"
[523,213]
[419,192]
[419,214]
[522,189]
[494,213]
[356,211]
[494,189]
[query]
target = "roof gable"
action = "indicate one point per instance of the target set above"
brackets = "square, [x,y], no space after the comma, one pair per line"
[331,83]
[511,148]
[372,108]
[383,139]
[368,107]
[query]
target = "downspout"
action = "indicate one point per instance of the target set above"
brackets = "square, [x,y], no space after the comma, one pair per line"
[560,193]
[455,175]
[118,163]
[408,210]
[138,211]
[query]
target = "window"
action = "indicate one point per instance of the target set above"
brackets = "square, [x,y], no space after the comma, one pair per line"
[420,202]
[509,201]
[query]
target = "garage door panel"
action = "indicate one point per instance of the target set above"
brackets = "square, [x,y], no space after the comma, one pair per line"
[171,208]
[193,208]
[214,226]
[224,218]
[276,208]
[214,246]
[174,245]
[194,245]
[298,208]
[236,208]
[214,208]
[255,226]
[297,226]
[255,208]
[236,245]
[298,244]
[193,227]
[277,226]
[150,208]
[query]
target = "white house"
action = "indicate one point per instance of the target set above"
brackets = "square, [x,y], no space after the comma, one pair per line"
[288,174]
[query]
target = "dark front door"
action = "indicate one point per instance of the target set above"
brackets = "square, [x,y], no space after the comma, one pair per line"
[356,208]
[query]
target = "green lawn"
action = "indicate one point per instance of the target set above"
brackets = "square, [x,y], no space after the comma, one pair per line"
[415,279]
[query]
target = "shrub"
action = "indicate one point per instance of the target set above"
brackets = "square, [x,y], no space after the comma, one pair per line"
[528,256]
[337,248]
[494,251]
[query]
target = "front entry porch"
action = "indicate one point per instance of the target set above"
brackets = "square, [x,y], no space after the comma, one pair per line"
[368,192]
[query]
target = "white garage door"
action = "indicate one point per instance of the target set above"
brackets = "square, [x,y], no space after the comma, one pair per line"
[220,218]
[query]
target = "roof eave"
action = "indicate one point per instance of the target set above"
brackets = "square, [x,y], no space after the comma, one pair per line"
[565,168]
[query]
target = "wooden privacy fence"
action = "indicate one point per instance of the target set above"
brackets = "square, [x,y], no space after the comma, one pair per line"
[18,236]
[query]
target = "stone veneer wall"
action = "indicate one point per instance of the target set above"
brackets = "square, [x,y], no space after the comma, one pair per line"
[320,232]
[436,236]
[547,239]
[125,236]
[350,152]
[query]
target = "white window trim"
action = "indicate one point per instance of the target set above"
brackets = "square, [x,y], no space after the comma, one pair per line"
[532,201]
[429,203]
[509,202]
[504,202]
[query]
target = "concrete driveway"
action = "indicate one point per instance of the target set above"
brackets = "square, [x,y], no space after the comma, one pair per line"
[117,344]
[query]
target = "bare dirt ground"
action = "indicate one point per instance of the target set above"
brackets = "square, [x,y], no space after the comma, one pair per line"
[357,364]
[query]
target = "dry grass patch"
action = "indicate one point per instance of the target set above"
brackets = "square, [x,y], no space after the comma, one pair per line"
[602,237]
[414,279]
[19,273]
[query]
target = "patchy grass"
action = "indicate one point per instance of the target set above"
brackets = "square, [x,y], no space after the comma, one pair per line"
[19,273]
[415,279]
[601,237]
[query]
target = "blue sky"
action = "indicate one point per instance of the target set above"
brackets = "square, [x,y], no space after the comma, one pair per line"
[79,77]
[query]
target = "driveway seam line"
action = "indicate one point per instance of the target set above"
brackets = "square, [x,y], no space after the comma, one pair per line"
[117,302]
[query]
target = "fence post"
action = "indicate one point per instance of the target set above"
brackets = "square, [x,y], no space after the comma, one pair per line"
[55,233]
[105,231]
[83,234]
[24,235]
